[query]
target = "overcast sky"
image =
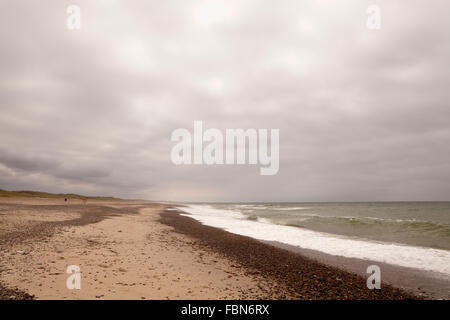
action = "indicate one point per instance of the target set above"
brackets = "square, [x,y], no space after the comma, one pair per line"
[363,114]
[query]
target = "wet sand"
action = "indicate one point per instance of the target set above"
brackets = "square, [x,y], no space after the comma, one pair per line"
[140,250]
[301,277]
[425,284]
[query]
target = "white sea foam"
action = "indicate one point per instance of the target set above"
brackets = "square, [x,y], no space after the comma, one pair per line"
[403,255]
[265,207]
[290,208]
[263,220]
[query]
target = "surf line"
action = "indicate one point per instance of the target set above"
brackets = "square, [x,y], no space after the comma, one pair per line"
[235,147]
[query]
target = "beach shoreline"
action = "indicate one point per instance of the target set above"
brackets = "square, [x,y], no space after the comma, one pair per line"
[425,284]
[304,277]
[141,250]
[421,281]
[122,250]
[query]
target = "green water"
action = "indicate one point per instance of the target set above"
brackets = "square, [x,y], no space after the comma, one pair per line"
[425,224]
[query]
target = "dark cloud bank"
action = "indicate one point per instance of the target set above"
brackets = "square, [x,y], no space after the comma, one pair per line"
[363,115]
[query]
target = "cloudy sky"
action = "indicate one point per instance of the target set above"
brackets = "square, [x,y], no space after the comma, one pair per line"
[363,114]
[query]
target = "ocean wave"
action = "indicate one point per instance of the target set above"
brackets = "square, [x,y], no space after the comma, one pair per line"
[259,219]
[437,260]
[291,208]
[412,223]
[247,207]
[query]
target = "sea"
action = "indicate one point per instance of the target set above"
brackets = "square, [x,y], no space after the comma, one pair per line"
[407,234]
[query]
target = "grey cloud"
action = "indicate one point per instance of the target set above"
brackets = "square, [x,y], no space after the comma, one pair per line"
[363,115]
[25,162]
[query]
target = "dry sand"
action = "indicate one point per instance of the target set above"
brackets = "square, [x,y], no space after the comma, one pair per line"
[121,248]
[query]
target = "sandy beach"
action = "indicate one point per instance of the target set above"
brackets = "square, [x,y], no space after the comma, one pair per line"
[146,250]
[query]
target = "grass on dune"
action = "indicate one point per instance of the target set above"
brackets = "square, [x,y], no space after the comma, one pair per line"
[38,194]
